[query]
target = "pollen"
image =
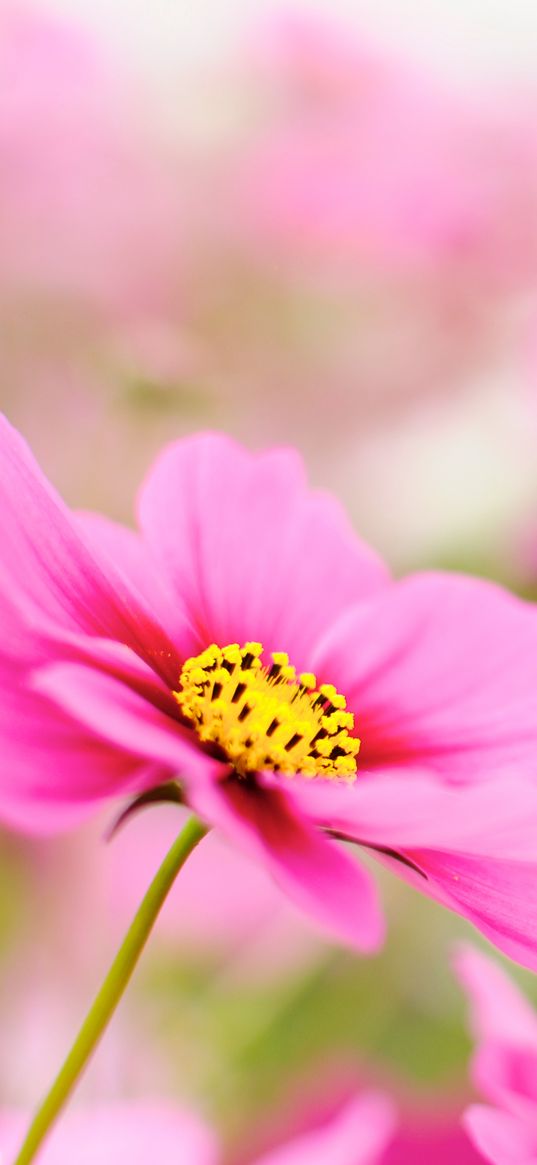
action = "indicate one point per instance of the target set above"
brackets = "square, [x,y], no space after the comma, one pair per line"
[265,716]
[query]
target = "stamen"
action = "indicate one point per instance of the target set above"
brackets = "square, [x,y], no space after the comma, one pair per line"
[269,718]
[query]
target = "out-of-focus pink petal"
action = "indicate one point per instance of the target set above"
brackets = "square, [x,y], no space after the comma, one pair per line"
[442,672]
[250,551]
[470,847]
[356,1136]
[499,1010]
[119,715]
[506,1074]
[431,1137]
[504,1067]
[46,559]
[501,1137]
[129,1133]
[317,875]
[223,906]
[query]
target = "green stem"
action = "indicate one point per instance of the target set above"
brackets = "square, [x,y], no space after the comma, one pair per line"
[105,1003]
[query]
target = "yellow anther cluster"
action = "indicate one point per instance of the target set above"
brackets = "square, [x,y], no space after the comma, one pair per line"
[266,717]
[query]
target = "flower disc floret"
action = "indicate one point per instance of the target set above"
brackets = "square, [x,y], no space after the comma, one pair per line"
[267,717]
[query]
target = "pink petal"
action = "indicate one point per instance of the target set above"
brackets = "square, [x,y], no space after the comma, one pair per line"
[32,639]
[316,874]
[498,896]
[120,662]
[356,1136]
[54,769]
[126,552]
[251,552]
[46,560]
[503,1139]
[119,715]
[124,547]
[413,809]
[471,848]
[439,670]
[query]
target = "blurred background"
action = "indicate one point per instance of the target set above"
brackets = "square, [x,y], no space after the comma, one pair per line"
[312,224]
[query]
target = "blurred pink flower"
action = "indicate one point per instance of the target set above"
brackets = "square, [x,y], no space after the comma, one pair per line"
[110,639]
[137,1133]
[364,1131]
[224,907]
[360,151]
[84,206]
[371,245]
[504,1068]
[121,1134]
[91,243]
[400,1132]
[374,241]
[431,1138]
[357,1135]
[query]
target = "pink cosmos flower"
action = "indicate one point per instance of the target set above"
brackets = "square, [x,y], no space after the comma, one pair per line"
[218,647]
[504,1068]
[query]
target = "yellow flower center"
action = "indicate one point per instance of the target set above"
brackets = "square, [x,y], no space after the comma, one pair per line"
[267,717]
